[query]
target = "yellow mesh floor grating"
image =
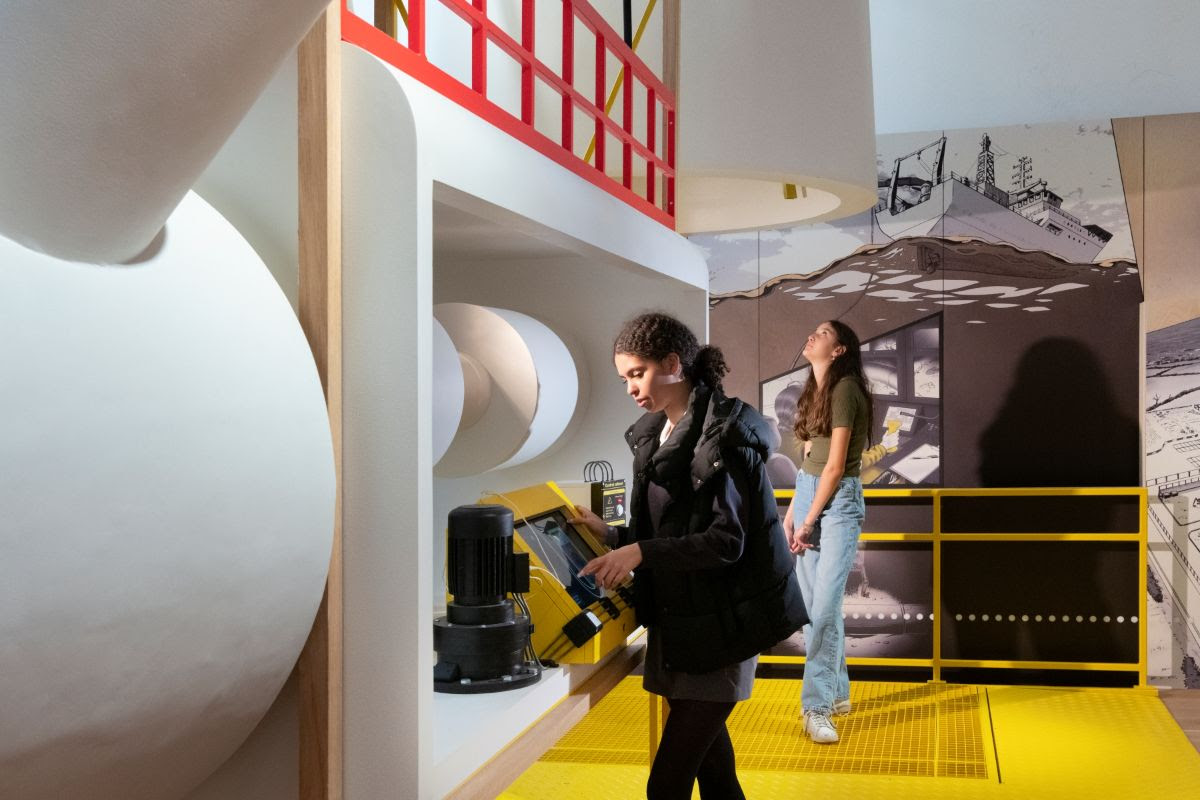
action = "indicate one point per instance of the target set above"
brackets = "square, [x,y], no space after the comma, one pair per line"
[904,741]
[919,730]
[616,731]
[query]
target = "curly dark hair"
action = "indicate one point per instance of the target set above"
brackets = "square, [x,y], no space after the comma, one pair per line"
[655,335]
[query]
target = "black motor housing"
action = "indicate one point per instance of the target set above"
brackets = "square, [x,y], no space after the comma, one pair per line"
[481,641]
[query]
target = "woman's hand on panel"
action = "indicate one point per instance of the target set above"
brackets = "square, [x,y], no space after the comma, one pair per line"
[585,516]
[614,566]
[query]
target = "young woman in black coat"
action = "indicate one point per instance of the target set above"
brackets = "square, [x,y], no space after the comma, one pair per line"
[714,581]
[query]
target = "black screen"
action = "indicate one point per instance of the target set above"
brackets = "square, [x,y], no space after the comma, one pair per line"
[563,552]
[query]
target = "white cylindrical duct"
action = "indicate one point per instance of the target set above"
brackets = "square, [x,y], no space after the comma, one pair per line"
[169,494]
[774,93]
[476,390]
[520,383]
[110,112]
[448,391]
[558,385]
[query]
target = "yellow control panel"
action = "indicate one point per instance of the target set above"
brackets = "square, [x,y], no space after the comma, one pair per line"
[574,621]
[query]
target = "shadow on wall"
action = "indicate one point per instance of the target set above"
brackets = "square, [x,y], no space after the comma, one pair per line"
[1059,425]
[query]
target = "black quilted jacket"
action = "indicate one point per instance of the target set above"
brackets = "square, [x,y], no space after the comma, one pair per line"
[719,590]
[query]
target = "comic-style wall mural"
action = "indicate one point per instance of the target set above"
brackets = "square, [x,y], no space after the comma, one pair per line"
[996,288]
[997,291]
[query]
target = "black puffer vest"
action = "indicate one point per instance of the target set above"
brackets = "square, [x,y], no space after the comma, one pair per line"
[709,617]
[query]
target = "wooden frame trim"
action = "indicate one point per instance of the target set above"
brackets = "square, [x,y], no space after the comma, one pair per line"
[319,669]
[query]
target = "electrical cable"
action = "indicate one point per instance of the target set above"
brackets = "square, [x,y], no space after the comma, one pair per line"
[598,470]
[530,653]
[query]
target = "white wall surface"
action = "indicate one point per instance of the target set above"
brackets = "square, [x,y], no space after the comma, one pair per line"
[970,63]
[387,417]
[585,300]
[253,179]
[497,175]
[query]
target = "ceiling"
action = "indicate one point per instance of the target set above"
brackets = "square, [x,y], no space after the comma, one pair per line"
[462,236]
[946,64]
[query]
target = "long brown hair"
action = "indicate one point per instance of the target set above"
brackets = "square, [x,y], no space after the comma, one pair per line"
[814,409]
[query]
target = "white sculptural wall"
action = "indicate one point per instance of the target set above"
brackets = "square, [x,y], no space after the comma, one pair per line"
[167,476]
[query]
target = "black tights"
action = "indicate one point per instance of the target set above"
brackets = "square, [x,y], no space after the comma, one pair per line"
[695,746]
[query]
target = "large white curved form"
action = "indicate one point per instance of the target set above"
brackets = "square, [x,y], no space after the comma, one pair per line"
[111,111]
[167,476]
[496,436]
[448,391]
[534,388]
[558,385]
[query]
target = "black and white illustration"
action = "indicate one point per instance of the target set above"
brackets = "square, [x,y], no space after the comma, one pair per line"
[1172,441]
[923,196]
[1054,189]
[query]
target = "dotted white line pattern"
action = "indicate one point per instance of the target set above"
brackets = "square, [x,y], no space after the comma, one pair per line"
[1092,618]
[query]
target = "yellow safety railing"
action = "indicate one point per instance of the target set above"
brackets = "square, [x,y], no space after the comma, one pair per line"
[936,537]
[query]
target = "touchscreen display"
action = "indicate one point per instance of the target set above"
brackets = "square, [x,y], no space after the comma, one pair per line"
[563,552]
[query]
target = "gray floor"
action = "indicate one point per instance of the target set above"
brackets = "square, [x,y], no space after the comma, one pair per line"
[1184,705]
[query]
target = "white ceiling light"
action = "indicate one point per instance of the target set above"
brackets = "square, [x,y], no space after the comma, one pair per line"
[776,114]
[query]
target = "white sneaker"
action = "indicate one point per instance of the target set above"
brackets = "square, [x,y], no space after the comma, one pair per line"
[820,728]
[841,708]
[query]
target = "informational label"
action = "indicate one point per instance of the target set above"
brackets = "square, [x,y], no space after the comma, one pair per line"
[608,501]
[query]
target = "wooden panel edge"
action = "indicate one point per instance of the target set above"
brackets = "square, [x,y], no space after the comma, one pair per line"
[319,669]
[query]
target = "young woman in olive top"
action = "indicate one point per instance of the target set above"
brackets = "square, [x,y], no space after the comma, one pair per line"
[823,523]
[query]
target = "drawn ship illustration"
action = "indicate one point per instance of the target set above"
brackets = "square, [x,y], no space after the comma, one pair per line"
[921,201]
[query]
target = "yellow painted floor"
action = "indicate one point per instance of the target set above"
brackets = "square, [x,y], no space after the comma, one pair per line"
[903,740]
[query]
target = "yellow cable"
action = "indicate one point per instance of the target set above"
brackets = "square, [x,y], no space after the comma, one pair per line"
[612,97]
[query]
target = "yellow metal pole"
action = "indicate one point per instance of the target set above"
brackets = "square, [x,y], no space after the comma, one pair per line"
[937,587]
[385,16]
[1077,666]
[612,96]
[1143,564]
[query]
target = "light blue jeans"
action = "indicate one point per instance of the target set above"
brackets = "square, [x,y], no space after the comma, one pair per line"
[822,572]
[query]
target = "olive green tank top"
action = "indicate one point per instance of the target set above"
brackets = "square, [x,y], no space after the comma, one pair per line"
[849,407]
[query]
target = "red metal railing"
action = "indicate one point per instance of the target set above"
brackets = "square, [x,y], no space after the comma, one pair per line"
[659,157]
